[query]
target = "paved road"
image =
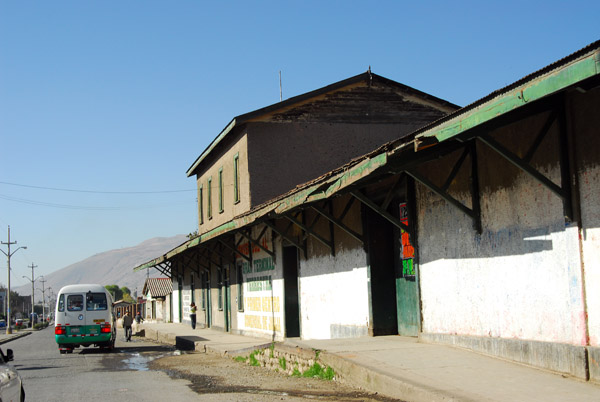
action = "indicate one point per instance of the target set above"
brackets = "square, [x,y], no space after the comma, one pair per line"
[92,374]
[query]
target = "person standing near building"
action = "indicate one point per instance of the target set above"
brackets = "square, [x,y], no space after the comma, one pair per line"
[193,314]
[127,321]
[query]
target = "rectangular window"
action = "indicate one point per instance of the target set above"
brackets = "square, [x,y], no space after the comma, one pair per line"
[61,303]
[221,190]
[236,178]
[95,301]
[240,286]
[209,202]
[201,204]
[75,302]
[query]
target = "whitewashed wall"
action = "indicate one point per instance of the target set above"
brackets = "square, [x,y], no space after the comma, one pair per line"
[334,300]
[263,313]
[520,279]
[175,298]
[590,198]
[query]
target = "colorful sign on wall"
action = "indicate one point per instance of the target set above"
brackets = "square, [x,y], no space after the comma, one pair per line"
[262,308]
[407,251]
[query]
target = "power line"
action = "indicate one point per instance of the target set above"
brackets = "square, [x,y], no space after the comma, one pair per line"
[89,208]
[95,191]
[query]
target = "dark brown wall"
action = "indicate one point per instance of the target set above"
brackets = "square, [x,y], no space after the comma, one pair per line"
[282,156]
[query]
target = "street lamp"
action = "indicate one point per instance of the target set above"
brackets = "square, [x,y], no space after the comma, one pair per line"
[8,255]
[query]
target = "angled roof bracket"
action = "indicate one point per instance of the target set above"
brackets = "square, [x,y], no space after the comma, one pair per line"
[284,235]
[474,212]
[337,222]
[310,232]
[257,241]
[521,164]
[245,257]
[219,252]
[164,268]
[384,214]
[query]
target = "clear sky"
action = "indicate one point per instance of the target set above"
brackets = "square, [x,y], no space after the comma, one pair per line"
[114,100]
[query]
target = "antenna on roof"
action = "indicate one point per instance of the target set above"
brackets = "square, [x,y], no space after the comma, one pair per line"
[280,92]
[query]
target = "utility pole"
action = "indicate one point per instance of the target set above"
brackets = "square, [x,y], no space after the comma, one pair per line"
[43,280]
[32,292]
[50,297]
[8,255]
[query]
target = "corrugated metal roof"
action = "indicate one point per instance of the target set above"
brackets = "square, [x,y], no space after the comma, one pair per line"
[158,287]
[551,79]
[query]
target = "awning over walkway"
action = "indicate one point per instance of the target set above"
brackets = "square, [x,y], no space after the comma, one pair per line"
[581,71]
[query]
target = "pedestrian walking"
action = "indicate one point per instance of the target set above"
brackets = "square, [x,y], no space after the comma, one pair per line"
[127,321]
[193,314]
[138,318]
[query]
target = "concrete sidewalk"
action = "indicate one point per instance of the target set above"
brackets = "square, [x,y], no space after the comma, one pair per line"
[403,367]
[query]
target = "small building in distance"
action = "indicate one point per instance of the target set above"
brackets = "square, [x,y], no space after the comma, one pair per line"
[157,292]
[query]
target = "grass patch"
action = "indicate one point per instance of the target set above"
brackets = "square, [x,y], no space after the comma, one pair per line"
[271,349]
[240,359]
[296,372]
[282,363]
[317,371]
[252,358]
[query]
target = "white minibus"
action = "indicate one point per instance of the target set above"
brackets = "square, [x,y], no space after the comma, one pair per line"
[84,317]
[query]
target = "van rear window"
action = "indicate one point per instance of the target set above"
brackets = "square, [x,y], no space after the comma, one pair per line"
[95,301]
[74,302]
[61,303]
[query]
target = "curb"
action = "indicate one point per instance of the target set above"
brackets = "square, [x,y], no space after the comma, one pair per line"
[12,337]
[373,380]
[346,370]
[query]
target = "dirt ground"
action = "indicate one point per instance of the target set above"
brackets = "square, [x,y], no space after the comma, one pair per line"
[211,374]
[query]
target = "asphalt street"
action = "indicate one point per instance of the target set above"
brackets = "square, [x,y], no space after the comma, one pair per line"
[121,375]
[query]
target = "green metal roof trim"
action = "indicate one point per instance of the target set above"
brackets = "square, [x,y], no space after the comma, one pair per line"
[226,227]
[519,94]
[295,199]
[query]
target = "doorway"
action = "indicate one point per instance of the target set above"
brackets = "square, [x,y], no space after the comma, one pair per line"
[290,280]
[379,243]
[392,267]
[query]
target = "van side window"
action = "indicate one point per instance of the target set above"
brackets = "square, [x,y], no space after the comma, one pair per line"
[74,302]
[95,301]
[61,303]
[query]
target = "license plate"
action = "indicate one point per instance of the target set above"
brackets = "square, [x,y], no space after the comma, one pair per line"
[74,330]
[93,331]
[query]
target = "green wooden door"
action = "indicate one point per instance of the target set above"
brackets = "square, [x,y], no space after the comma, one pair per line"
[407,292]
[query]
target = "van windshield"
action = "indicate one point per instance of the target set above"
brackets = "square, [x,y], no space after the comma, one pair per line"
[75,302]
[96,301]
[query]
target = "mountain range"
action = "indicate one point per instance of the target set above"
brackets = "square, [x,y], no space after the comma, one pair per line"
[114,267]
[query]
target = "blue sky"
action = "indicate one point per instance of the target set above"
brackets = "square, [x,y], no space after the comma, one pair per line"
[116,99]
